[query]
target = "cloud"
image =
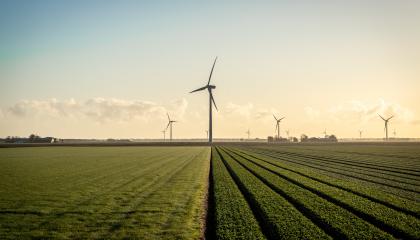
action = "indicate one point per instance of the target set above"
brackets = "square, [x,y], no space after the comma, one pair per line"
[360,111]
[242,110]
[97,109]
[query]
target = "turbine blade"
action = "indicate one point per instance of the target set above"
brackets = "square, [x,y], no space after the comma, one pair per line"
[381,117]
[211,72]
[212,99]
[169,119]
[199,89]
[167,126]
[275,117]
[282,118]
[390,118]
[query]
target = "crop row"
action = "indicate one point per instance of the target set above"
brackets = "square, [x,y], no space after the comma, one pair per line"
[343,164]
[381,165]
[378,176]
[398,223]
[337,221]
[232,216]
[390,156]
[278,217]
[344,172]
[370,193]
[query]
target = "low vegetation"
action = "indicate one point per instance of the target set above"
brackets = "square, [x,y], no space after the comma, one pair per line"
[103,192]
[272,191]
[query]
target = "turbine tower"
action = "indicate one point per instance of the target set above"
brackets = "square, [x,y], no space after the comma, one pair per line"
[386,125]
[360,133]
[287,132]
[207,133]
[211,101]
[248,132]
[325,133]
[278,120]
[170,122]
[395,133]
[164,134]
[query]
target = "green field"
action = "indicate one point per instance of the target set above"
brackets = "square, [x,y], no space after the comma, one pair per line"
[262,191]
[103,192]
[319,191]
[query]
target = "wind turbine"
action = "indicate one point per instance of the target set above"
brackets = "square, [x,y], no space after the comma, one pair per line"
[278,125]
[395,133]
[207,133]
[211,101]
[386,125]
[360,133]
[325,133]
[170,122]
[287,132]
[248,132]
[164,134]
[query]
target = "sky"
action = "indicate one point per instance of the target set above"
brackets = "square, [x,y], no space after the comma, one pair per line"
[114,69]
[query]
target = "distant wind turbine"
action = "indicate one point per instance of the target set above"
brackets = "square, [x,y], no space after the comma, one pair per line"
[278,120]
[395,133]
[325,133]
[207,133]
[287,132]
[170,122]
[360,133]
[211,101]
[164,134]
[386,125]
[248,132]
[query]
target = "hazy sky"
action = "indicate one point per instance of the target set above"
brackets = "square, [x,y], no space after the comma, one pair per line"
[114,68]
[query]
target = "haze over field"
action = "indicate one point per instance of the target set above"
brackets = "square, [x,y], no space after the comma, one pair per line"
[94,69]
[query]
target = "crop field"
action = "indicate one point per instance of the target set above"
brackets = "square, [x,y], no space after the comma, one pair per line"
[103,192]
[242,191]
[316,192]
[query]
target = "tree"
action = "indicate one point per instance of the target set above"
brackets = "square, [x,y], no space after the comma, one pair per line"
[32,137]
[303,138]
[332,138]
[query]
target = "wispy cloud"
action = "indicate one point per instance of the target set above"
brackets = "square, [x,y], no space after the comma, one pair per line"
[97,109]
[242,110]
[358,111]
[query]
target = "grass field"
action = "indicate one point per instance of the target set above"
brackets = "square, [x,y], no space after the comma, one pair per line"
[333,191]
[103,192]
[320,192]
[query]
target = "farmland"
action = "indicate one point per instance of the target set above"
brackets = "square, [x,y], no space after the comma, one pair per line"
[321,192]
[102,192]
[255,191]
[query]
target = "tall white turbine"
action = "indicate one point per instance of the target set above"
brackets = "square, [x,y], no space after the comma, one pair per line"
[170,122]
[211,101]
[386,125]
[278,120]
[325,133]
[249,133]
